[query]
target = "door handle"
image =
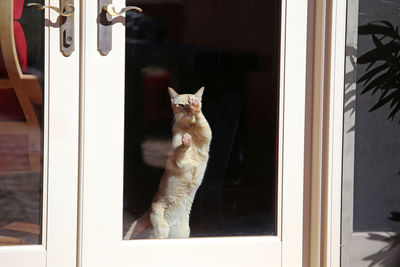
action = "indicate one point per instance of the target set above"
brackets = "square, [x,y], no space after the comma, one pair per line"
[66,12]
[110,9]
[68,9]
[104,26]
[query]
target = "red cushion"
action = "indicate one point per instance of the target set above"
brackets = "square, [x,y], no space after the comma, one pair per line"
[14,148]
[18,8]
[10,110]
[20,45]
[20,41]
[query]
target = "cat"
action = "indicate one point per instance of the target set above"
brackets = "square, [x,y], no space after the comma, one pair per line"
[169,214]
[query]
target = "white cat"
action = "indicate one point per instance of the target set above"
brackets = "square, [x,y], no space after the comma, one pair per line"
[168,216]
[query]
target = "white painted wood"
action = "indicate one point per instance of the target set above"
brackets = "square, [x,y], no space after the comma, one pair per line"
[61,103]
[102,147]
[63,123]
[333,187]
[348,131]
[293,118]
[280,121]
[102,116]
[225,251]
[17,256]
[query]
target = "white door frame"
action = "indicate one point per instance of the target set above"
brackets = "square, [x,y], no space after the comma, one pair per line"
[60,163]
[324,203]
[101,173]
[334,28]
[326,235]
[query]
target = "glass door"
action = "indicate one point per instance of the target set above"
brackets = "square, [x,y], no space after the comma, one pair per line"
[38,138]
[370,196]
[193,133]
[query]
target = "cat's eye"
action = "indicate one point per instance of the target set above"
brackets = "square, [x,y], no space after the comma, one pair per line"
[181,105]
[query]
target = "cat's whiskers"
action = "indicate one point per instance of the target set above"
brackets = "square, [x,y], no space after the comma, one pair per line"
[177,119]
[174,120]
[180,119]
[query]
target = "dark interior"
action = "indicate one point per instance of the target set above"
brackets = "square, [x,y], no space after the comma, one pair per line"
[231,48]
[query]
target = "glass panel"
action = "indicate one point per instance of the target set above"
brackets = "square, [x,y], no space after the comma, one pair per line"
[231,48]
[376,128]
[21,128]
[371,184]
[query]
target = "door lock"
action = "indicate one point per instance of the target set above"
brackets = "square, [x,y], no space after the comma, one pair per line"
[104,27]
[66,12]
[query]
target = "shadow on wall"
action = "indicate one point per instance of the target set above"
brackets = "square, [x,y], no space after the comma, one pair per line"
[389,255]
[350,86]
[382,76]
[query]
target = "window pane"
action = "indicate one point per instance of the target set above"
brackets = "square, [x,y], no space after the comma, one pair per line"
[376,129]
[231,48]
[21,129]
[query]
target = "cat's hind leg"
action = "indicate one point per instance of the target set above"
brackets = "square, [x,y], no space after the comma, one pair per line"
[158,221]
[181,227]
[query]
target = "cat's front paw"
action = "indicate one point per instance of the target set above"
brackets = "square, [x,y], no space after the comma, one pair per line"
[194,104]
[186,140]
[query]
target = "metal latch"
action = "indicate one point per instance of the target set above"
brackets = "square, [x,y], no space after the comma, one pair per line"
[66,12]
[104,27]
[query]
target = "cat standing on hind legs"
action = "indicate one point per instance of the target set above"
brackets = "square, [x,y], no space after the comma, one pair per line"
[168,216]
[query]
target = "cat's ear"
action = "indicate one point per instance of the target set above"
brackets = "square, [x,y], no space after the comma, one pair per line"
[199,94]
[172,93]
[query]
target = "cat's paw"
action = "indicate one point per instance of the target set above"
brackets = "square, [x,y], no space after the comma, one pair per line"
[186,140]
[194,104]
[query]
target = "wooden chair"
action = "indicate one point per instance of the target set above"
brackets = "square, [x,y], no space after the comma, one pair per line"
[26,87]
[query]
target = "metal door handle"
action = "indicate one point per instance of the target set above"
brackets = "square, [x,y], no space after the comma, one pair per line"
[67,35]
[104,27]
[110,9]
[68,9]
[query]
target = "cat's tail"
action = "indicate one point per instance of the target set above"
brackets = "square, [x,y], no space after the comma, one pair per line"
[138,226]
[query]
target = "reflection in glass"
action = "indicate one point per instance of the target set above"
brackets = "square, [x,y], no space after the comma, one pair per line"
[231,48]
[21,125]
